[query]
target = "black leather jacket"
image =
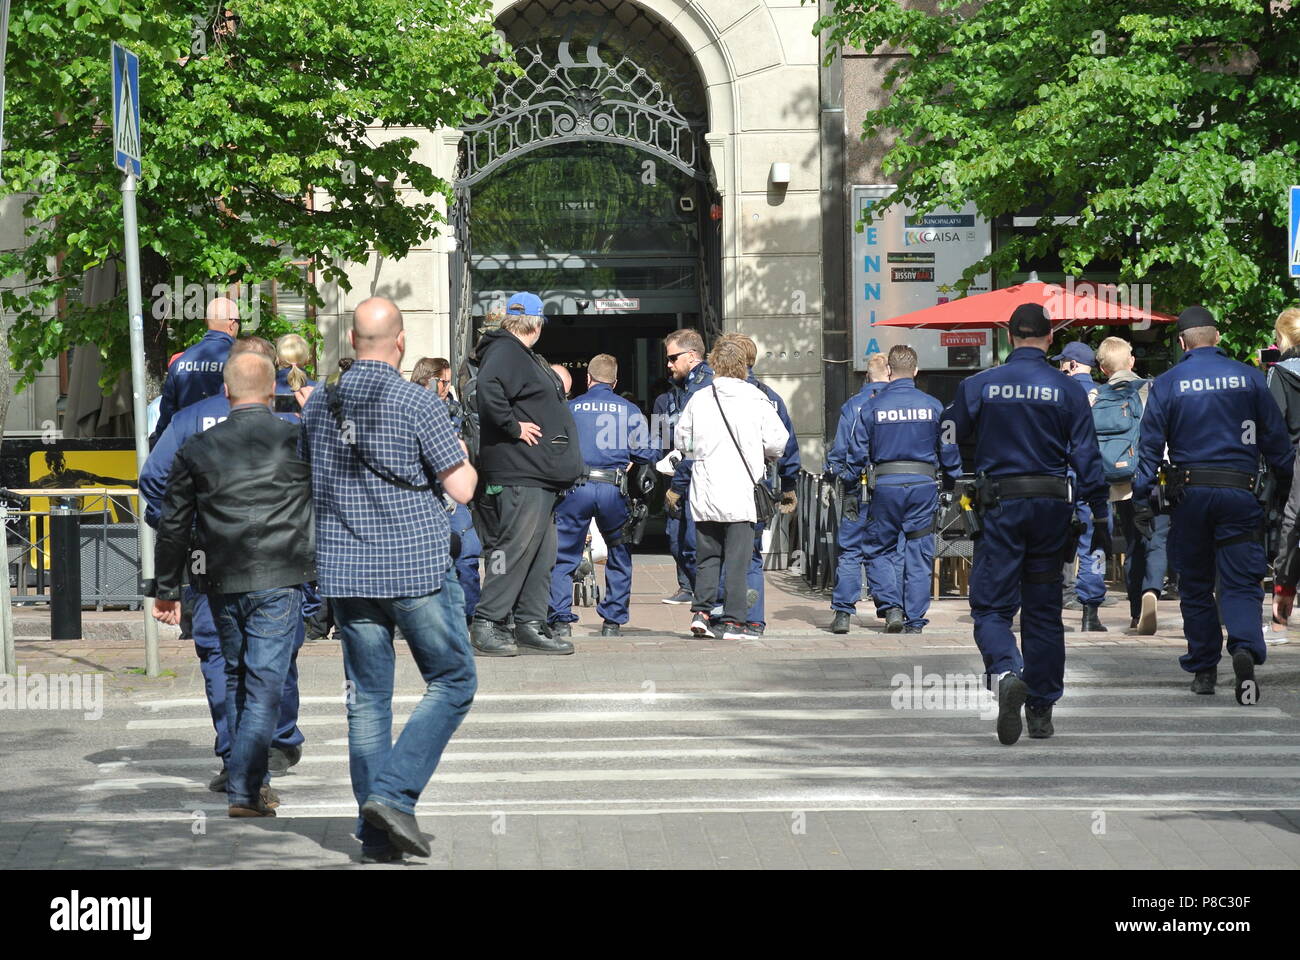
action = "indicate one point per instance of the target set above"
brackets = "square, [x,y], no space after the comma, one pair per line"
[252,496]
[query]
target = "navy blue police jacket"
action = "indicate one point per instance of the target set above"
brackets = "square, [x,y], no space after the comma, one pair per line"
[787,467]
[837,461]
[1027,417]
[194,375]
[701,375]
[901,423]
[611,429]
[1211,411]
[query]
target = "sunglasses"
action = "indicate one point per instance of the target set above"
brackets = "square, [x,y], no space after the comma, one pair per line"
[672,357]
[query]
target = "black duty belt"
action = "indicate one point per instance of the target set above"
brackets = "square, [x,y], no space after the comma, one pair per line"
[1031,485]
[1213,477]
[605,476]
[891,468]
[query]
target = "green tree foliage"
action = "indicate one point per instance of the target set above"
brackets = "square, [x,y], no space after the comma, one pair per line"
[247,106]
[1169,128]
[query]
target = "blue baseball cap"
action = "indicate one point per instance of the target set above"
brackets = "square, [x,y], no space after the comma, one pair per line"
[1079,353]
[528,304]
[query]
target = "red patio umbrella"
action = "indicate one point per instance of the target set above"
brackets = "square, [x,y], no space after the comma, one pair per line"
[1080,303]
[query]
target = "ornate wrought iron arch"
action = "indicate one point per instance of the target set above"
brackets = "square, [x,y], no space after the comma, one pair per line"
[580,100]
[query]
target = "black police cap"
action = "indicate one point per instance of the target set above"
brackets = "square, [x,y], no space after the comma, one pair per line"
[1030,320]
[1196,316]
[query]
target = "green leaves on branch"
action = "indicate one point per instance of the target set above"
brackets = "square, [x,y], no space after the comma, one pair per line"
[268,134]
[1168,129]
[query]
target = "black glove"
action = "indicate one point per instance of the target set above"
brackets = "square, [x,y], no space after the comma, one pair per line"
[1144,518]
[948,483]
[1100,535]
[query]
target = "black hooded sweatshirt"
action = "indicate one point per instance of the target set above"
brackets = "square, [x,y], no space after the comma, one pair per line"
[514,385]
[1284,384]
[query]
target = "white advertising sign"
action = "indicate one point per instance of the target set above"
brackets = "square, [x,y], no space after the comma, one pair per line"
[901,263]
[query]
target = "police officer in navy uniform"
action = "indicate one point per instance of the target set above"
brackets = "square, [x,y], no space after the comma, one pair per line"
[663,420]
[286,745]
[690,372]
[1031,424]
[1218,419]
[612,432]
[197,372]
[1076,362]
[853,524]
[896,440]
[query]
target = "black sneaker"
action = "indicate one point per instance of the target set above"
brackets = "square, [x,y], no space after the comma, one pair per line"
[738,631]
[402,828]
[1012,693]
[1204,681]
[911,629]
[681,596]
[280,759]
[894,620]
[381,855]
[218,783]
[757,629]
[841,623]
[1039,722]
[534,637]
[1243,665]
[491,639]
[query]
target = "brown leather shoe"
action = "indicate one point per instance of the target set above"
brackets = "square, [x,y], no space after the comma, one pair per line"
[259,810]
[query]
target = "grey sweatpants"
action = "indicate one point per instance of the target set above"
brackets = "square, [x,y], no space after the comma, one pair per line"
[518,534]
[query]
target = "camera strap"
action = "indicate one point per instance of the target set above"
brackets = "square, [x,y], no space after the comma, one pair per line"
[334,401]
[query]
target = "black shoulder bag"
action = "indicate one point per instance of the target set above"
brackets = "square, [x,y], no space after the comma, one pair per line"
[335,403]
[764,501]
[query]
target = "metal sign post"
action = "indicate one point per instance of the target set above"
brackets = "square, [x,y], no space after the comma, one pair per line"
[126,157]
[1293,233]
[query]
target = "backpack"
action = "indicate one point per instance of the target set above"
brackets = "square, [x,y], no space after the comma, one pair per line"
[1117,415]
[467,391]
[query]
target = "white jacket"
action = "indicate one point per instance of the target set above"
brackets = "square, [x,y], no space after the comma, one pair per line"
[721,490]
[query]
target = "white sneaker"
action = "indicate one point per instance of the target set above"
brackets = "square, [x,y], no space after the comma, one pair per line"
[738,631]
[700,627]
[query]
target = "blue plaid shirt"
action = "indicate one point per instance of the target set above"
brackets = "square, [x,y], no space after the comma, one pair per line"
[374,539]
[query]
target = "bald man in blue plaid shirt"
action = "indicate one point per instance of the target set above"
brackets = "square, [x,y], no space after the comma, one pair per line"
[380,449]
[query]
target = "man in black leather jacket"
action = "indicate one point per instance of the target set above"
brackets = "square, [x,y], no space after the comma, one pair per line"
[250,492]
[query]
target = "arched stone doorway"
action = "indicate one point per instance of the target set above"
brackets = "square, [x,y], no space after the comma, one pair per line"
[591,183]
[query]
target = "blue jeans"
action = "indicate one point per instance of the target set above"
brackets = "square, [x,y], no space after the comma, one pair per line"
[395,774]
[258,631]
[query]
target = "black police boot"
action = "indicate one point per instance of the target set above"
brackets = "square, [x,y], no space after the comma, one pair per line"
[532,636]
[1243,665]
[1012,693]
[610,629]
[1039,722]
[491,639]
[894,620]
[561,628]
[1091,622]
[1204,680]
[841,622]
[911,629]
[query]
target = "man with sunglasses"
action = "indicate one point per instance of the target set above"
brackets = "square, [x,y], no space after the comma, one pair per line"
[196,374]
[688,373]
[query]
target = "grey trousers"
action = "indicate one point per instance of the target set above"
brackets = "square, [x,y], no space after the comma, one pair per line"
[518,534]
[722,551]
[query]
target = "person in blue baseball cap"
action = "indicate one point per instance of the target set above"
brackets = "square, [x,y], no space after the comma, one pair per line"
[529,454]
[1076,353]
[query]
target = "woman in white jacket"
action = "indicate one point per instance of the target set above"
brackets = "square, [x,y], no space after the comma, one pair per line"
[722,493]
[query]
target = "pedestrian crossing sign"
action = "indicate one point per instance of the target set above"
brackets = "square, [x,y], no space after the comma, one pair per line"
[1293,221]
[126,110]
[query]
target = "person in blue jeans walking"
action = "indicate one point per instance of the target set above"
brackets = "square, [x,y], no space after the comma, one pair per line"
[382,453]
[242,487]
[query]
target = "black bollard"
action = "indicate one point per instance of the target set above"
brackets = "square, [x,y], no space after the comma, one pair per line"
[65,572]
